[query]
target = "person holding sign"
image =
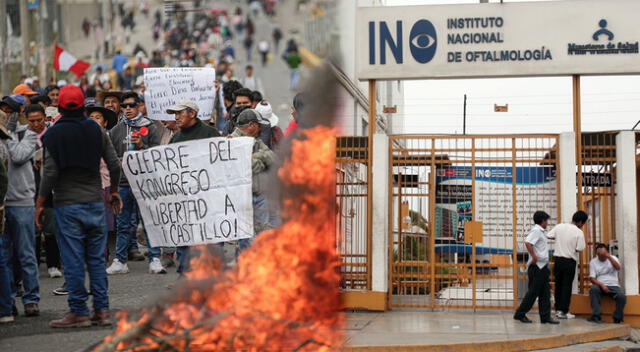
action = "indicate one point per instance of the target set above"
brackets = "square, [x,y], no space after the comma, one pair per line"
[133,132]
[73,148]
[248,125]
[190,128]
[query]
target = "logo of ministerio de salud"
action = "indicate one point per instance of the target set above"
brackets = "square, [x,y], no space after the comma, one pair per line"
[601,48]
[423,41]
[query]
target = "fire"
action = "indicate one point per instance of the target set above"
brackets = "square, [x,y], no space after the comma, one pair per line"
[283,293]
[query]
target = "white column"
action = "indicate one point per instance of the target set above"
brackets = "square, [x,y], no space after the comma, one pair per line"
[380,235]
[567,166]
[568,199]
[626,210]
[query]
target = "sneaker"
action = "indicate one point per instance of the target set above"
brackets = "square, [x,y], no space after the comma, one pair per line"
[117,268]
[54,272]
[570,316]
[595,319]
[7,319]
[155,267]
[61,291]
[31,310]
[71,320]
[136,256]
[561,315]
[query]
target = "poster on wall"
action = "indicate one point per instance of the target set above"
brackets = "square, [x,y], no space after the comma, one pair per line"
[492,203]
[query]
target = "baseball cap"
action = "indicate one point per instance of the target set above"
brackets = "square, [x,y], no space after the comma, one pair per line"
[248,116]
[71,97]
[265,109]
[182,105]
[24,90]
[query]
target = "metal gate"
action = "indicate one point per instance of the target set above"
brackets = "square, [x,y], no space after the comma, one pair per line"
[442,185]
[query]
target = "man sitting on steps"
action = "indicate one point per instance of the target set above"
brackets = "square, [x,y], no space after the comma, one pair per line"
[603,273]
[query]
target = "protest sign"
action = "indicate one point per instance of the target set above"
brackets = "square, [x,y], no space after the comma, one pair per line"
[194,192]
[165,87]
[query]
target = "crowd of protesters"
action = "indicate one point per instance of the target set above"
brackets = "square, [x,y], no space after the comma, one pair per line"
[62,195]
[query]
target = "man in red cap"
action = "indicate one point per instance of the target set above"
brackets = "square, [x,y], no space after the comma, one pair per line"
[73,148]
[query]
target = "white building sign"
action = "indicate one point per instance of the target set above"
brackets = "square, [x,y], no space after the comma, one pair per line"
[499,40]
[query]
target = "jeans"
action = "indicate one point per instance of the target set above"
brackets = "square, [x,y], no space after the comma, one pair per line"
[538,288]
[6,278]
[260,221]
[21,234]
[184,256]
[127,227]
[616,293]
[294,77]
[564,271]
[82,240]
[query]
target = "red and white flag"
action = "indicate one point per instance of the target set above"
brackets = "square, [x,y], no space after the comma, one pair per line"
[63,61]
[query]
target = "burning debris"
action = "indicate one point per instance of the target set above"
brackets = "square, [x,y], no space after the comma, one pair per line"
[283,293]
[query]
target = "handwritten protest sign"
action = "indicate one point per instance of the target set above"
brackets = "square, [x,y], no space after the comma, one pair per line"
[166,86]
[193,192]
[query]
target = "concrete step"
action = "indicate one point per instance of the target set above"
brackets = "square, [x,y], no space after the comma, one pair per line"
[601,346]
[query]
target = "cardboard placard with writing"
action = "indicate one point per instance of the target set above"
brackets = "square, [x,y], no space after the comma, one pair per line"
[165,87]
[194,192]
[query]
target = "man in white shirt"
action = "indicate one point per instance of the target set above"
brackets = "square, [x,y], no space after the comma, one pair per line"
[538,272]
[569,241]
[603,273]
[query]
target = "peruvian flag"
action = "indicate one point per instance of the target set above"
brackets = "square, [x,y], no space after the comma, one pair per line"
[63,61]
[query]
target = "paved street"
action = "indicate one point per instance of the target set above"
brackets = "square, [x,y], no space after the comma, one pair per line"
[132,290]
[139,288]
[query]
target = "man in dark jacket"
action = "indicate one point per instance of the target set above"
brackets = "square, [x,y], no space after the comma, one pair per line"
[133,132]
[73,148]
[191,128]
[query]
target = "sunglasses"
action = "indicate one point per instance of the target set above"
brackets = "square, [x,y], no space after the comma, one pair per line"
[129,105]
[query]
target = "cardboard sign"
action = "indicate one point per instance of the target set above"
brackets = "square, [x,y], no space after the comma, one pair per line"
[165,87]
[194,192]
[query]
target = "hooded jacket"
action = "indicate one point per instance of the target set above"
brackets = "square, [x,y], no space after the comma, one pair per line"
[261,159]
[121,137]
[22,145]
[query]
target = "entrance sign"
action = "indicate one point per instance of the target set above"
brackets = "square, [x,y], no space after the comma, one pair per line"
[194,192]
[498,40]
[493,201]
[164,87]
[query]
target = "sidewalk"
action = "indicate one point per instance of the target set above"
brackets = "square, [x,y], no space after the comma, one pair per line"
[468,331]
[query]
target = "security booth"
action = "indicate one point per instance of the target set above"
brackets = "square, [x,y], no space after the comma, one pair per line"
[446,215]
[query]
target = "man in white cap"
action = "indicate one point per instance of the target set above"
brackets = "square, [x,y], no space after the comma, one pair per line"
[269,120]
[190,128]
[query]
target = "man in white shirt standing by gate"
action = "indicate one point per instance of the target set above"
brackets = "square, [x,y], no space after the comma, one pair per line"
[538,272]
[569,242]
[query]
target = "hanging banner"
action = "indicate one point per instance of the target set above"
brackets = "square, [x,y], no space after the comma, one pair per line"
[164,87]
[194,192]
[498,40]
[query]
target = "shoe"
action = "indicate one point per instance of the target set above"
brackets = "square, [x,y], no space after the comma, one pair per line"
[54,272]
[101,318]
[71,320]
[595,319]
[117,268]
[136,256]
[523,319]
[617,321]
[7,319]
[561,315]
[570,316]
[61,291]
[31,310]
[550,321]
[155,267]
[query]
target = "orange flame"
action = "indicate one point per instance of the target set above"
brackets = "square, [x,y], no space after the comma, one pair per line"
[282,295]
